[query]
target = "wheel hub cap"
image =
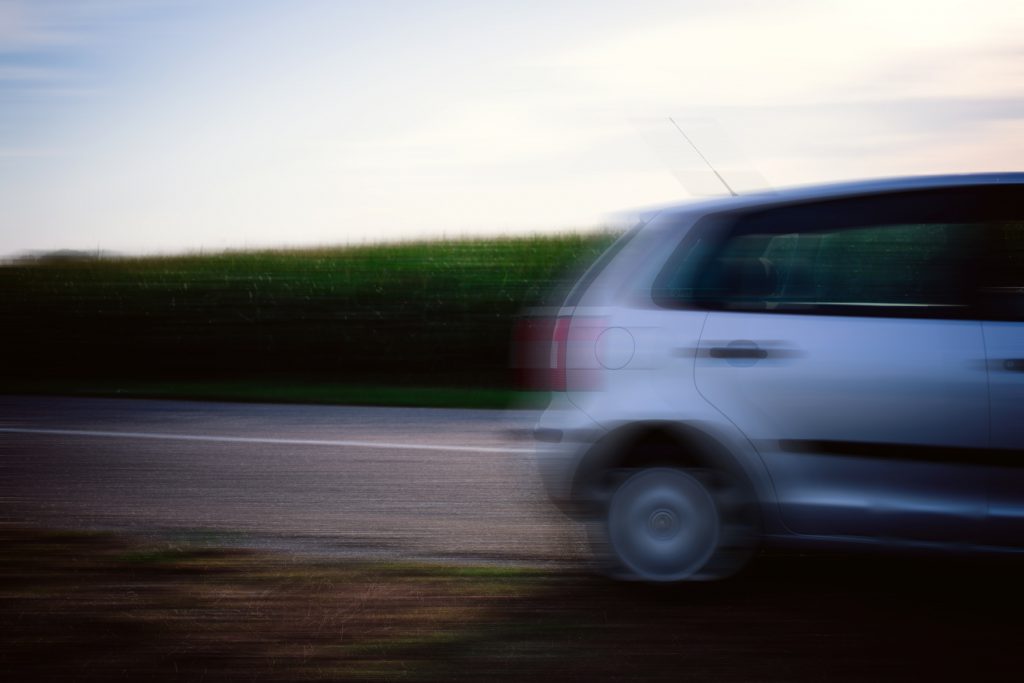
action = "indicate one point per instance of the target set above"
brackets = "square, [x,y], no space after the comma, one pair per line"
[663,523]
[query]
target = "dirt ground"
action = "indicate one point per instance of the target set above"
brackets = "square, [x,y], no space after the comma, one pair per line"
[78,606]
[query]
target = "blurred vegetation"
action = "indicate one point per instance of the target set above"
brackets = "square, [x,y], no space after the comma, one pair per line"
[426,314]
[97,607]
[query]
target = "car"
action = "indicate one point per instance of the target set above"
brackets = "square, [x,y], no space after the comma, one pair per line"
[832,366]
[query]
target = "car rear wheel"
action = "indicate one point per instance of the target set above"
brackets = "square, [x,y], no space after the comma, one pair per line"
[663,524]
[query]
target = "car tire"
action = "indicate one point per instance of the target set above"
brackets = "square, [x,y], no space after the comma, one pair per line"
[665,524]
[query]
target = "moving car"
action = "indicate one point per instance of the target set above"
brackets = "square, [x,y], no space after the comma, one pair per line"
[840,365]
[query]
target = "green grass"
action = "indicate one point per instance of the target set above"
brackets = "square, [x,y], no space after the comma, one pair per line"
[356,324]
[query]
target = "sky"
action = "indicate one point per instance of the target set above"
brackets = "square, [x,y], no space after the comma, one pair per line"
[166,126]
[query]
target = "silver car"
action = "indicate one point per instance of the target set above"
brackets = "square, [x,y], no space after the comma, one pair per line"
[839,365]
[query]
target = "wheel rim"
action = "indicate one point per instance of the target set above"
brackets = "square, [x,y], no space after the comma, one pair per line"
[663,524]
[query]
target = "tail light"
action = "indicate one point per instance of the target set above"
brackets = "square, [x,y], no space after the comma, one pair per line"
[559,346]
[541,353]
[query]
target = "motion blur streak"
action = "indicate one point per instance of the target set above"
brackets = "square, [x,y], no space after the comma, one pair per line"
[333,480]
[242,439]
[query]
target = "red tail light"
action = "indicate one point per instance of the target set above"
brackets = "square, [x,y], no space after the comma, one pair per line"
[559,344]
[541,352]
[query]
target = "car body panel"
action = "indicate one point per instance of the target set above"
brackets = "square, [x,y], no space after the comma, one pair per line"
[1005,348]
[843,411]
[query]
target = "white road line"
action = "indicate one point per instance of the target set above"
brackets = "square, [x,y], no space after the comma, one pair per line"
[245,439]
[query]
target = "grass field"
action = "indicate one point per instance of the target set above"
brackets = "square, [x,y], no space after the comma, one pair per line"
[306,324]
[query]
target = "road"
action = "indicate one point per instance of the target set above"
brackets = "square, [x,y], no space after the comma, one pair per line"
[371,482]
[453,485]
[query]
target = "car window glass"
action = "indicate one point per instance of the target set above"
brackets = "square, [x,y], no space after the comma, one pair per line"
[907,254]
[674,282]
[1004,274]
[892,265]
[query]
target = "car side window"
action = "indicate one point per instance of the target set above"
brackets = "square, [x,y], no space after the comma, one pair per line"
[859,269]
[907,255]
[1003,281]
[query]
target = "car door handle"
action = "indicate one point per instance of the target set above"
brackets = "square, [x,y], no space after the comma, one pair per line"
[738,353]
[1014,364]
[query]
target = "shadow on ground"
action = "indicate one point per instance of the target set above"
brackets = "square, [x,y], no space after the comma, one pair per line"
[97,607]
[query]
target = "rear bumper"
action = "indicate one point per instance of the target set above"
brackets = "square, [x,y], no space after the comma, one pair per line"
[562,436]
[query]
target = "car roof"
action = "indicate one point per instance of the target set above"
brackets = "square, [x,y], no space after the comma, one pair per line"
[837,190]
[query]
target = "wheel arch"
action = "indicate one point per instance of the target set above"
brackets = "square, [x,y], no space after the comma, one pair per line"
[655,443]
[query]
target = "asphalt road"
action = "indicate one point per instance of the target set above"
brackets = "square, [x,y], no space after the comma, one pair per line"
[370,482]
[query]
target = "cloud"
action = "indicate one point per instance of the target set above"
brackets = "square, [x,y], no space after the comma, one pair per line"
[807,52]
[28,152]
[40,25]
[22,74]
[28,26]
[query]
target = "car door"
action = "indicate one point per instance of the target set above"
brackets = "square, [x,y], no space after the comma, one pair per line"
[842,341]
[1004,341]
